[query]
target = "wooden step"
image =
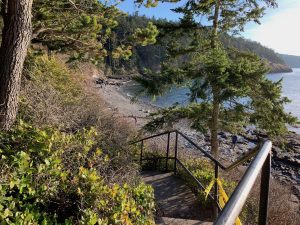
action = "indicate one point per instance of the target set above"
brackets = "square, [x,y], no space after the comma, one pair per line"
[174,199]
[176,221]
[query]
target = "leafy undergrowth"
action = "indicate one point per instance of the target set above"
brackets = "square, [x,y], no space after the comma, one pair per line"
[50,177]
[67,160]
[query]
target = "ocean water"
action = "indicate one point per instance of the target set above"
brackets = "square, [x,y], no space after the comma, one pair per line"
[290,89]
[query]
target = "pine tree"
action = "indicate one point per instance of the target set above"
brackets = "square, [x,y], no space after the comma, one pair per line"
[16,33]
[78,28]
[82,28]
[228,88]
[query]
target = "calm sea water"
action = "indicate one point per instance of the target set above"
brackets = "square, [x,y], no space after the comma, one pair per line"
[290,89]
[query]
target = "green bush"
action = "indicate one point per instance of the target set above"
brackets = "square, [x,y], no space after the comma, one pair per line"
[50,177]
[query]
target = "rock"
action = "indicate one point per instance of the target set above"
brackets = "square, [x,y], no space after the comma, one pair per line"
[188,145]
[100,81]
[296,190]
[292,142]
[241,140]
[288,158]
[223,135]
[286,167]
[207,138]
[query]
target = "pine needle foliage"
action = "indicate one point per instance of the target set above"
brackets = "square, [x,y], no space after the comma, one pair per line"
[228,87]
[79,28]
[82,28]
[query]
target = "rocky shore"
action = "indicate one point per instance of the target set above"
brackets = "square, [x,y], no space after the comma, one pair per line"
[279,68]
[285,163]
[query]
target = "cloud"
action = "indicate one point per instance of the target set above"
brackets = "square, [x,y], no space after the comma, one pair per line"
[280,31]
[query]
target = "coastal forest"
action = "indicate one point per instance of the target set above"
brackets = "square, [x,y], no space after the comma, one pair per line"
[66,151]
[291,60]
[151,56]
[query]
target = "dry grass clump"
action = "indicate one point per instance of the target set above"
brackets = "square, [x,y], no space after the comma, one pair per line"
[281,210]
[57,96]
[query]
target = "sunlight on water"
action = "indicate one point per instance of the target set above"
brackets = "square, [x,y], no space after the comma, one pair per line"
[290,89]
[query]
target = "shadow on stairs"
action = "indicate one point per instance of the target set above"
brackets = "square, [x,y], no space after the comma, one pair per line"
[176,203]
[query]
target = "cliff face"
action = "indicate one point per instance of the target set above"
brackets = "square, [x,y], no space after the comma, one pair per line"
[276,63]
[291,60]
[279,68]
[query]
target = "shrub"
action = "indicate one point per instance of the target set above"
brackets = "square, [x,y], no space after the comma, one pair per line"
[50,93]
[53,95]
[50,177]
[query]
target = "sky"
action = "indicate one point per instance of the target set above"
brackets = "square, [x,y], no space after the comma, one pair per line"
[279,29]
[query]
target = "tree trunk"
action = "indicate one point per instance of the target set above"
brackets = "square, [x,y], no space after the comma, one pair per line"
[214,125]
[16,37]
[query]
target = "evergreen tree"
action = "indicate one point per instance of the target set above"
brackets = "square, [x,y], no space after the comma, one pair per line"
[78,27]
[150,56]
[138,32]
[83,29]
[228,88]
[16,33]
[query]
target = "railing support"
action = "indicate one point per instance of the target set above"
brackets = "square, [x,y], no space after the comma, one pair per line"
[168,149]
[141,156]
[175,156]
[264,191]
[261,162]
[238,198]
[216,192]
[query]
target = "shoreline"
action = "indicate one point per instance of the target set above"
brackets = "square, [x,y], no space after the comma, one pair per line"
[120,102]
[285,164]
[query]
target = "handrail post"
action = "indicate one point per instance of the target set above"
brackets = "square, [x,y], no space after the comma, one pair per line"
[141,156]
[240,194]
[168,149]
[176,148]
[216,192]
[264,191]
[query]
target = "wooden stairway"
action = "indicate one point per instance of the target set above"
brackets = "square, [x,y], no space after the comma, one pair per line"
[176,203]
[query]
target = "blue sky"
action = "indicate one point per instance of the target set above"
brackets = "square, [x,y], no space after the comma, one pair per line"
[280,28]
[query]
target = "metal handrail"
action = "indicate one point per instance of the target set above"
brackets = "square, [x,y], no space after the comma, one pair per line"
[176,160]
[202,150]
[150,137]
[243,159]
[238,162]
[240,194]
[238,198]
